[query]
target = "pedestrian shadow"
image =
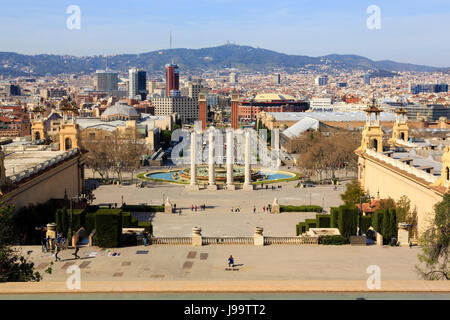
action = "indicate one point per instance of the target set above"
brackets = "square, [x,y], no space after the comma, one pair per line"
[238,265]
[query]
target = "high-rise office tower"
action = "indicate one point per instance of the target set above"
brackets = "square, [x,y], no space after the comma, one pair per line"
[367,78]
[233,78]
[107,80]
[321,80]
[137,84]
[172,78]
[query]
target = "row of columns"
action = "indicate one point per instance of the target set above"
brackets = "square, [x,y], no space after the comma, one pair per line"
[229,165]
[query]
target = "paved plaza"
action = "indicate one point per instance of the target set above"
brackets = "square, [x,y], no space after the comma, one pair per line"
[217,219]
[286,262]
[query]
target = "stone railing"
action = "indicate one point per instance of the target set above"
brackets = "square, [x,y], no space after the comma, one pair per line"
[226,240]
[42,166]
[171,240]
[291,240]
[406,143]
[402,166]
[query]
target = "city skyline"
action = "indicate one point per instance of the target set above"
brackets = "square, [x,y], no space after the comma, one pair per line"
[296,28]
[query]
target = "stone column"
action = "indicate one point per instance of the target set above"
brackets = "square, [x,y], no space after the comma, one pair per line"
[276,135]
[193,185]
[248,169]
[230,160]
[258,238]
[211,169]
[197,236]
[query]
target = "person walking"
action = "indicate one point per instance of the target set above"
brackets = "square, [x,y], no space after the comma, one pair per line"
[254,209]
[195,208]
[192,207]
[232,210]
[76,252]
[43,243]
[204,207]
[58,248]
[264,209]
[231,261]
[145,238]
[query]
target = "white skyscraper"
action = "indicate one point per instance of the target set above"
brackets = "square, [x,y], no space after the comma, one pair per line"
[133,83]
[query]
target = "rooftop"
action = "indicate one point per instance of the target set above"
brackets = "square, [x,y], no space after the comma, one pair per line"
[329,116]
[16,162]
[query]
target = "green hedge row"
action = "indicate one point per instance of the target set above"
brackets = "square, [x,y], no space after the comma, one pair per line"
[347,221]
[385,222]
[333,240]
[284,208]
[142,208]
[108,228]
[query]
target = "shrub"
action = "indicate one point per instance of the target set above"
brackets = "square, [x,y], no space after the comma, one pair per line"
[377,219]
[366,222]
[284,208]
[134,222]
[334,213]
[147,226]
[89,222]
[333,240]
[108,228]
[301,228]
[310,223]
[126,219]
[323,221]
[78,219]
[142,208]
[347,221]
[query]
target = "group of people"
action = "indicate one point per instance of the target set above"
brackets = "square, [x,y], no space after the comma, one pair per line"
[195,208]
[273,187]
[238,209]
[268,208]
[59,244]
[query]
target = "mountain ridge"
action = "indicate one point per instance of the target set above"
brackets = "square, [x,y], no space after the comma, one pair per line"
[245,58]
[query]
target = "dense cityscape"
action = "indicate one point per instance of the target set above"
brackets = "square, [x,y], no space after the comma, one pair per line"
[233,169]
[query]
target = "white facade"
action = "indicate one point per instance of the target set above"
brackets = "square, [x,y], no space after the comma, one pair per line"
[186,107]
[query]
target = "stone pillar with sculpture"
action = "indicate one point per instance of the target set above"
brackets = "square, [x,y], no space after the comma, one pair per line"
[193,183]
[211,163]
[248,169]
[230,160]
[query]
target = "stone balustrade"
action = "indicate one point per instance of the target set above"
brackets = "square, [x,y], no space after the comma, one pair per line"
[402,166]
[291,240]
[42,166]
[171,240]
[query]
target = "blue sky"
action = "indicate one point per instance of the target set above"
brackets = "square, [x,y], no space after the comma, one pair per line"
[411,31]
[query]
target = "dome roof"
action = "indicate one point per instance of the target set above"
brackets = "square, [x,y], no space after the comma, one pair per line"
[121,108]
[273,96]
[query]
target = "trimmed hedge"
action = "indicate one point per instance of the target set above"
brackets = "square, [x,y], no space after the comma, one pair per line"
[347,221]
[377,219]
[147,226]
[385,222]
[134,222]
[323,221]
[301,228]
[108,228]
[126,219]
[333,240]
[284,208]
[89,222]
[366,222]
[310,223]
[334,213]
[141,208]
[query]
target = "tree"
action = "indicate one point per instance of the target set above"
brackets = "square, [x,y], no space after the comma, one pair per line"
[352,193]
[435,244]
[13,266]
